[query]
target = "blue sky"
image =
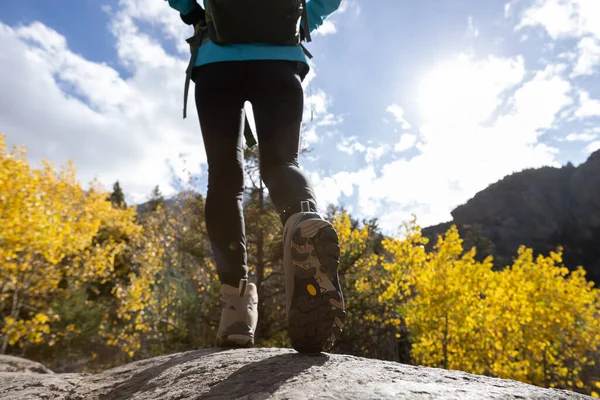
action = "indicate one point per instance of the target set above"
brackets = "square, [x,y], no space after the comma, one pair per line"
[418,105]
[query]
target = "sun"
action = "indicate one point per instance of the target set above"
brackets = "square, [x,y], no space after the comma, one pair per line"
[461,91]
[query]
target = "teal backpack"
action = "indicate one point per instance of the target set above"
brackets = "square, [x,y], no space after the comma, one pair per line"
[277,22]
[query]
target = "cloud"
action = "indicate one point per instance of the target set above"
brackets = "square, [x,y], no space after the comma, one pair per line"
[581,137]
[328,28]
[406,142]
[347,5]
[480,121]
[317,118]
[351,145]
[67,107]
[329,189]
[375,153]
[588,58]
[592,147]
[569,19]
[557,17]
[564,18]
[465,88]
[319,102]
[463,152]
[330,120]
[587,107]
[398,113]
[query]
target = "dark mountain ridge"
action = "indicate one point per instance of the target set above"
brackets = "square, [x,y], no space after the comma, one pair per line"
[540,208]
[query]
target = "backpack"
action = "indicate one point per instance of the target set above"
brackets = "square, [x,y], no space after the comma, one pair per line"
[277,22]
[257,21]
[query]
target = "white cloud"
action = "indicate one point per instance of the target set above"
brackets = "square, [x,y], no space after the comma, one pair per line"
[351,145]
[67,107]
[588,58]
[480,123]
[317,118]
[587,107]
[310,135]
[564,18]
[349,5]
[592,147]
[406,142]
[557,17]
[319,102]
[464,152]
[467,90]
[328,28]
[329,189]
[330,120]
[375,153]
[570,19]
[581,137]
[398,113]
[539,101]
[112,126]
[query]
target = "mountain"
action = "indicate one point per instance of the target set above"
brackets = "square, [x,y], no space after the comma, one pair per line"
[539,208]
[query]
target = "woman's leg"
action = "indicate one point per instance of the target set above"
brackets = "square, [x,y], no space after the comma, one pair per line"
[219,100]
[314,302]
[277,98]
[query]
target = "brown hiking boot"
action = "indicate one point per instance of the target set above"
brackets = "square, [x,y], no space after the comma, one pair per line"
[239,315]
[315,304]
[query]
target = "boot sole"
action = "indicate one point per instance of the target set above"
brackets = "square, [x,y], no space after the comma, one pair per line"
[317,313]
[235,341]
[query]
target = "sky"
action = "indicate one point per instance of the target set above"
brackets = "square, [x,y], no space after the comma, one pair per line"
[416,106]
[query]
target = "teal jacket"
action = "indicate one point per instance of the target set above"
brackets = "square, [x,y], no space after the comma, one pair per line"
[209,52]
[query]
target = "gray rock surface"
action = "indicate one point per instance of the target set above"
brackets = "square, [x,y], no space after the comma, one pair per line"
[17,364]
[34,386]
[267,374]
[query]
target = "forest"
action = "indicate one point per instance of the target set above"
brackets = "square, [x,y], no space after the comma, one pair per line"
[88,282]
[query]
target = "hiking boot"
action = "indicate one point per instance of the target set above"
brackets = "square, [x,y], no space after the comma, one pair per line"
[239,315]
[315,305]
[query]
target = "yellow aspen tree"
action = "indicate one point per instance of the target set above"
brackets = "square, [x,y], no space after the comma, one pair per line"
[534,321]
[371,325]
[444,314]
[46,218]
[547,330]
[56,239]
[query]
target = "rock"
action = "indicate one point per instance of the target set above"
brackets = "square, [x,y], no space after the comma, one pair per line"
[269,374]
[35,386]
[540,208]
[17,364]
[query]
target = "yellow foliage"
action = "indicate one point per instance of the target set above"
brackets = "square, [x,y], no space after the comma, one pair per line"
[50,234]
[534,321]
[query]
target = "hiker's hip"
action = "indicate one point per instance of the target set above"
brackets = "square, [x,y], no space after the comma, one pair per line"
[210,53]
[248,77]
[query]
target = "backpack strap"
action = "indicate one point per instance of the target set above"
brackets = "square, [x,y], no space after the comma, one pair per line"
[305,31]
[194,42]
[306,26]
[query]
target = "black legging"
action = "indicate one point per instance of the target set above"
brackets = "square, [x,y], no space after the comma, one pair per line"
[275,91]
